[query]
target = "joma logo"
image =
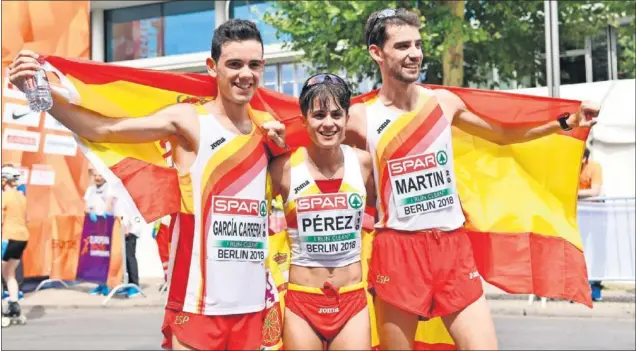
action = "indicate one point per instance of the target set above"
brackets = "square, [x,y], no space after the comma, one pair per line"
[327,310]
[217,143]
[383,125]
[301,186]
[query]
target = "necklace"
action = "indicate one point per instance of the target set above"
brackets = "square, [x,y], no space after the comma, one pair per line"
[341,163]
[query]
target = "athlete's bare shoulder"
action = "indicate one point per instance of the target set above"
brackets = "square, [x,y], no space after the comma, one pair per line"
[444,94]
[184,118]
[184,111]
[449,102]
[364,157]
[357,127]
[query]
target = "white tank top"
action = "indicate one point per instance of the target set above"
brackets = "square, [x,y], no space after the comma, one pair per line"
[325,229]
[413,166]
[227,218]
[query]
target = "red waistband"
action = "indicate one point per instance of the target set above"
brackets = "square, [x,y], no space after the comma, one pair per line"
[434,231]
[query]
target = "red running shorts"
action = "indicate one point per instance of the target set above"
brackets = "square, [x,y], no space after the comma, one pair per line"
[326,310]
[201,332]
[429,273]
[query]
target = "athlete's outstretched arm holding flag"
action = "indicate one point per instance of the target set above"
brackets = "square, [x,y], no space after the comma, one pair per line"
[463,118]
[169,122]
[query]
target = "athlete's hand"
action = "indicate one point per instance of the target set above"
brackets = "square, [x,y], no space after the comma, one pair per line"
[24,66]
[276,132]
[586,116]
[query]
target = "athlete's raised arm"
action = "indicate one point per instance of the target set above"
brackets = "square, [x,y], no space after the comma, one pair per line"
[279,171]
[468,121]
[165,123]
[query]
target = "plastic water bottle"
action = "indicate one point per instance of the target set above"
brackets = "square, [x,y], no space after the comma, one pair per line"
[38,92]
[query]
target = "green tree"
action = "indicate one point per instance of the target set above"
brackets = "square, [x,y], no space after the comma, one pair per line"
[505,35]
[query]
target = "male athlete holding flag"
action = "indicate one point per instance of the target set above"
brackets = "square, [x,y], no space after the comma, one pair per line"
[219,245]
[422,262]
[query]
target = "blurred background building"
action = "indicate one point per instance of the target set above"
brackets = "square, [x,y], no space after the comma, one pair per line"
[176,36]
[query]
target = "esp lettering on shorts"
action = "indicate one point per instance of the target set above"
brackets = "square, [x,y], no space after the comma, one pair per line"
[382,279]
[181,320]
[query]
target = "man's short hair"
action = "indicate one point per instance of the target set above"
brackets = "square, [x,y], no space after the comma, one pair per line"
[233,30]
[375,29]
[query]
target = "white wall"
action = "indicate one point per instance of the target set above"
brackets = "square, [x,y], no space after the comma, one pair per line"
[613,140]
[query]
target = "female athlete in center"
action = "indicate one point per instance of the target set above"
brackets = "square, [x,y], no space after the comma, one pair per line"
[325,188]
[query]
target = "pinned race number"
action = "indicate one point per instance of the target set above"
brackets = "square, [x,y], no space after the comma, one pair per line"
[330,224]
[239,229]
[421,183]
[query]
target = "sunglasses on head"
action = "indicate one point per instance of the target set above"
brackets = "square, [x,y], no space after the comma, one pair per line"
[384,14]
[323,78]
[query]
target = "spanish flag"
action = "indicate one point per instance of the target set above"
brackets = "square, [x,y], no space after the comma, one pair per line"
[143,170]
[519,200]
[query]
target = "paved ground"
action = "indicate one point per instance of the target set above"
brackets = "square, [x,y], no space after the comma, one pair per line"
[71,319]
[500,302]
[138,329]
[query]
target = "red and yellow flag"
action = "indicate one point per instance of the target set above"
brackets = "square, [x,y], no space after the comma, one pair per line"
[520,200]
[143,170]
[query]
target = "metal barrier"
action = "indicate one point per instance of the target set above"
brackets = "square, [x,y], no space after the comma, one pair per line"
[125,284]
[607,229]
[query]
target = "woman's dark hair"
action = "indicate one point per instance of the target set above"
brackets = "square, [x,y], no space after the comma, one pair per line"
[325,91]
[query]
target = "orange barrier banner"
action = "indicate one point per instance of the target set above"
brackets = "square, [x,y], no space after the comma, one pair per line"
[54,171]
[116,268]
[66,232]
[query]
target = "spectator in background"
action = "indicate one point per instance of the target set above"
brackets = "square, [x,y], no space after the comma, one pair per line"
[131,227]
[590,184]
[21,187]
[99,202]
[15,234]
[591,178]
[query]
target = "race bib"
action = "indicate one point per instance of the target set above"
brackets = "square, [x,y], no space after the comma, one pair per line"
[421,183]
[330,224]
[239,229]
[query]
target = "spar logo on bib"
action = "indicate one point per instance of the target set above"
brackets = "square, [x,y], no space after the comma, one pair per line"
[263,209]
[441,157]
[355,201]
[242,207]
[324,202]
[415,163]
